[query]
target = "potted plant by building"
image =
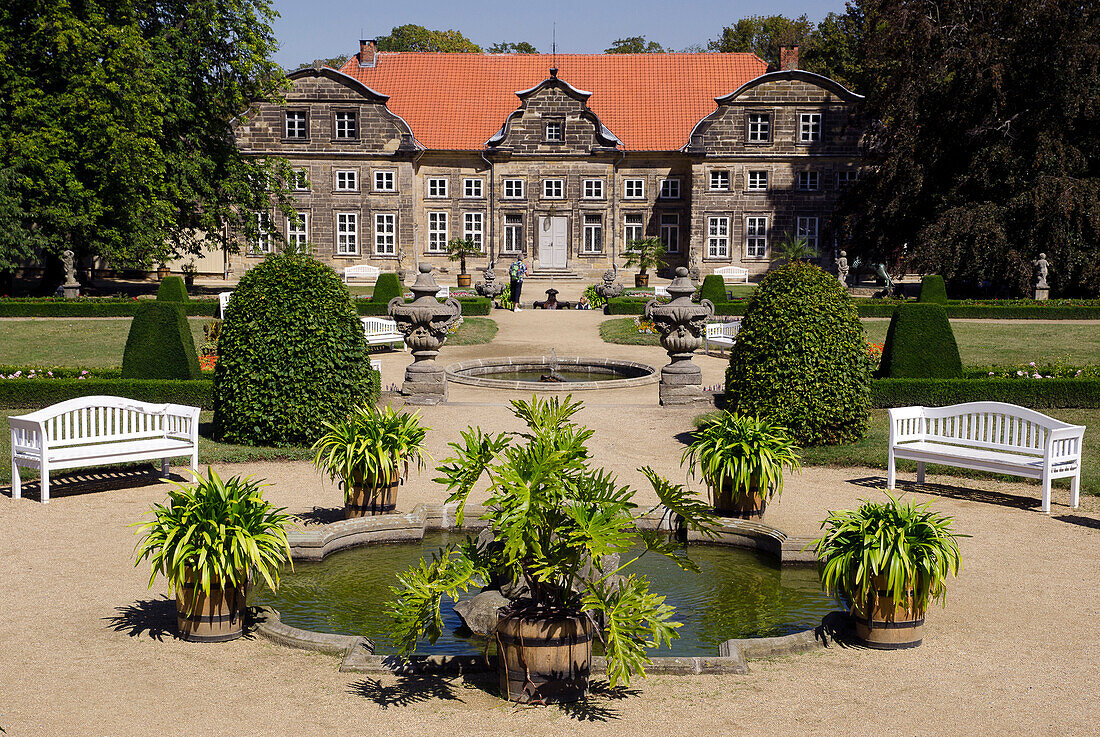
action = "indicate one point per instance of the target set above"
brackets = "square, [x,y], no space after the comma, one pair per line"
[457,250]
[889,560]
[644,253]
[741,459]
[556,523]
[792,249]
[189,271]
[163,271]
[369,451]
[208,541]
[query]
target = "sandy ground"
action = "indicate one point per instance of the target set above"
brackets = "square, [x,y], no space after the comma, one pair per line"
[87,649]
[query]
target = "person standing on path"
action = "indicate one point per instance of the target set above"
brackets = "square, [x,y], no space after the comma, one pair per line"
[516,272]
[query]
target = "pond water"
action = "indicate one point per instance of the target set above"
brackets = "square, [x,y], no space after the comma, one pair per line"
[567,375]
[740,593]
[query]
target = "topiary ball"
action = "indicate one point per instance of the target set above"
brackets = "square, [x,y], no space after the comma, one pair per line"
[172,289]
[160,344]
[801,357]
[386,287]
[920,344]
[714,289]
[291,356]
[932,289]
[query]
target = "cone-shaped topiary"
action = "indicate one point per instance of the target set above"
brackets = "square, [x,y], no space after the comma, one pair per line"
[386,287]
[714,289]
[160,344]
[932,289]
[172,289]
[291,355]
[801,358]
[920,344]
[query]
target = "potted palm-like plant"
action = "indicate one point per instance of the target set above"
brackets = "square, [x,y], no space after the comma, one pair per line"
[644,253]
[369,451]
[556,522]
[741,459]
[457,250]
[889,560]
[208,541]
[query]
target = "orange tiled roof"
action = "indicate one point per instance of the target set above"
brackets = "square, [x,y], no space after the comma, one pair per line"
[649,101]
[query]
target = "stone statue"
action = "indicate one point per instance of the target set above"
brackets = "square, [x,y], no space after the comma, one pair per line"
[71,288]
[682,325]
[842,268]
[1042,267]
[693,265]
[610,288]
[490,288]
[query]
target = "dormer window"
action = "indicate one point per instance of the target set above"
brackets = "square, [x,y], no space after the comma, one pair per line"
[345,126]
[555,131]
[760,128]
[297,126]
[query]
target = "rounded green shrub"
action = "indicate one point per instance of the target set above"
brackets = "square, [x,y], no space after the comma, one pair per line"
[714,289]
[291,356]
[920,344]
[386,287]
[932,289]
[801,358]
[160,345]
[172,289]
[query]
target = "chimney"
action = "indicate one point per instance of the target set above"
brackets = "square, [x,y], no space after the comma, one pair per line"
[368,52]
[788,58]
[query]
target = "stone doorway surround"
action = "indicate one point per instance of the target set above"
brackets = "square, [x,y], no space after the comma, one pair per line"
[553,240]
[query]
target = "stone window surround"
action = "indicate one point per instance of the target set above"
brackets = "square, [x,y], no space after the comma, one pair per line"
[586,227]
[469,232]
[393,180]
[560,181]
[510,226]
[286,118]
[336,179]
[820,128]
[707,217]
[446,231]
[771,126]
[446,187]
[679,182]
[383,232]
[593,180]
[466,181]
[355,121]
[627,182]
[628,226]
[504,182]
[547,122]
[769,222]
[336,213]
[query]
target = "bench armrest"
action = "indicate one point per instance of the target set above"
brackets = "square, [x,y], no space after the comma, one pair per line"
[906,423]
[1064,444]
[28,435]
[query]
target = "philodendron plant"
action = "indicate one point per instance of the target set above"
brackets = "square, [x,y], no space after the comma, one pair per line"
[557,521]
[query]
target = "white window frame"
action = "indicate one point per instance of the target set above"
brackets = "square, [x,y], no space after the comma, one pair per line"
[299,180]
[759,130]
[670,231]
[719,180]
[340,120]
[670,189]
[385,180]
[473,228]
[629,228]
[559,126]
[806,226]
[385,234]
[548,184]
[347,234]
[298,236]
[301,125]
[262,243]
[718,236]
[513,233]
[592,239]
[592,189]
[441,186]
[439,224]
[633,189]
[756,236]
[809,127]
[809,181]
[756,180]
[350,177]
[473,188]
[512,189]
[850,176]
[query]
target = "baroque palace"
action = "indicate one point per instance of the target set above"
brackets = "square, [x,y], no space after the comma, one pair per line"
[563,158]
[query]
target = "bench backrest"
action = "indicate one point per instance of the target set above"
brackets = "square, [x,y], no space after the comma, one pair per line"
[729,273]
[379,325]
[363,271]
[723,329]
[223,303]
[100,419]
[993,425]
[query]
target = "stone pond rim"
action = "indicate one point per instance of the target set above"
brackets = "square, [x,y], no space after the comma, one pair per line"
[479,372]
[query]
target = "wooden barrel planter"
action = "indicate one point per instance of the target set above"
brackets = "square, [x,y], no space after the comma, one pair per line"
[368,499]
[544,660]
[885,624]
[742,506]
[218,617]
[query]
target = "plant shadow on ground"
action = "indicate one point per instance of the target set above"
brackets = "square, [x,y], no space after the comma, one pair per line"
[1076,519]
[408,689]
[155,617]
[322,515]
[984,496]
[99,479]
[837,628]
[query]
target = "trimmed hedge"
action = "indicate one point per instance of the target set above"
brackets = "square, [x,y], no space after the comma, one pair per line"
[920,344]
[957,310]
[386,287]
[1033,393]
[172,289]
[714,289]
[36,393]
[160,345]
[471,307]
[626,306]
[96,308]
[932,289]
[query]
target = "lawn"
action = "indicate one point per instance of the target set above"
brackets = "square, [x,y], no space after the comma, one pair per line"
[474,331]
[624,331]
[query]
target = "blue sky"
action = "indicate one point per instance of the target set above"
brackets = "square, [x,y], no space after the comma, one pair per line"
[311,29]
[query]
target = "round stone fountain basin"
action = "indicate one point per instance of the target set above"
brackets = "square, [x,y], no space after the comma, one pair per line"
[576,373]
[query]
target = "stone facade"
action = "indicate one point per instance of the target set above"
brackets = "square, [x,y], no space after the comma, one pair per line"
[554,182]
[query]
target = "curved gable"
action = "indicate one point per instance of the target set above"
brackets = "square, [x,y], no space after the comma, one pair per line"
[553,98]
[340,78]
[799,75]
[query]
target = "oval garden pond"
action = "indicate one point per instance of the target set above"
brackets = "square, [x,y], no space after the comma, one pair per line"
[739,593]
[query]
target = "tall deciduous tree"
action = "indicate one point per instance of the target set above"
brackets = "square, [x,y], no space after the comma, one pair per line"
[763,35]
[634,45]
[418,38]
[985,150]
[506,47]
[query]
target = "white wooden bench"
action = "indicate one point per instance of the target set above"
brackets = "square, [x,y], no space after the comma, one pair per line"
[723,334]
[444,292]
[733,274]
[661,292]
[382,331]
[988,436]
[363,271]
[95,431]
[223,303]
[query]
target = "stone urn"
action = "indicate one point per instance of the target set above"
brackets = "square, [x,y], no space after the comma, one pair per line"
[610,288]
[424,323]
[681,324]
[490,288]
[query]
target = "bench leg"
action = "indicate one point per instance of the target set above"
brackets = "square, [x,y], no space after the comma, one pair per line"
[891,472]
[195,460]
[44,483]
[1046,494]
[16,482]
[1075,490]
[920,472]
[164,467]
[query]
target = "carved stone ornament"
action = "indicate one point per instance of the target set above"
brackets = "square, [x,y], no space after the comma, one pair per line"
[682,324]
[424,323]
[490,288]
[610,288]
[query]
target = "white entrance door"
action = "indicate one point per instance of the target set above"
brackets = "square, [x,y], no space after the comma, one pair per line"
[553,242]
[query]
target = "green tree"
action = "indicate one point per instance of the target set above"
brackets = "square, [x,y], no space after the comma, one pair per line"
[985,145]
[763,35]
[635,45]
[336,62]
[506,47]
[833,49]
[418,38]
